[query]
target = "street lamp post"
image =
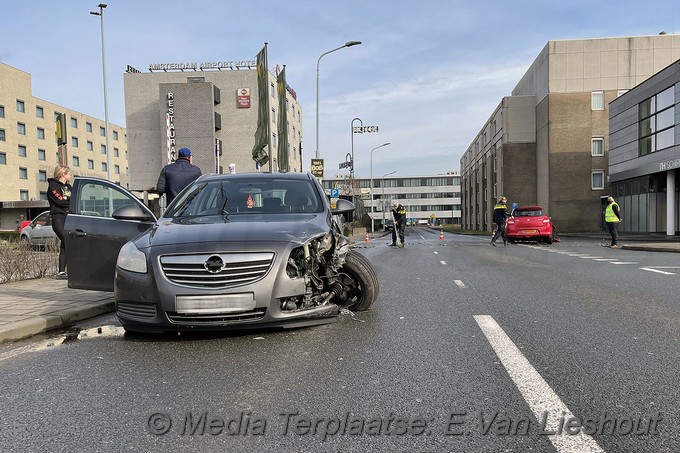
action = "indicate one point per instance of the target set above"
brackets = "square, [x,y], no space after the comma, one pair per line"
[370,189]
[100,13]
[382,194]
[347,44]
[351,169]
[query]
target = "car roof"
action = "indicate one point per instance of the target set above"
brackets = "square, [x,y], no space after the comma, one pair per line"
[295,176]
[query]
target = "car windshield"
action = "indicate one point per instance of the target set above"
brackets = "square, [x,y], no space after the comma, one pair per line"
[246,196]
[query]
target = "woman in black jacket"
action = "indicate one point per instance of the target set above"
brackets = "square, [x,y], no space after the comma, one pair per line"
[59,196]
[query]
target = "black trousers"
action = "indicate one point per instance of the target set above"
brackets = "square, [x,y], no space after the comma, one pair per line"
[500,232]
[613,232]
[58,227]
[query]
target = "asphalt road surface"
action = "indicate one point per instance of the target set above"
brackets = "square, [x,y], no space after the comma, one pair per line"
[571,348]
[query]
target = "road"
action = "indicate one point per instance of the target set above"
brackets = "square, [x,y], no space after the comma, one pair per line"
[570,347]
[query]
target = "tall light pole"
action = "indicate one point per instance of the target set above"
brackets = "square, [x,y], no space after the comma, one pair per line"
[382,194]
[370,189]
[351,169]
[100,13]
[347,44]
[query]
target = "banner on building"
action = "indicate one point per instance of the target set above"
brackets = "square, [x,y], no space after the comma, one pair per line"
[282,129]
[260,155]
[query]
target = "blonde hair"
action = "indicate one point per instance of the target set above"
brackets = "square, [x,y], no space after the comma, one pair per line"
[61,170]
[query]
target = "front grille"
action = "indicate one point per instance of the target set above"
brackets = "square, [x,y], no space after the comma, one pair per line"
[216,319]
[204,271]
[136,309]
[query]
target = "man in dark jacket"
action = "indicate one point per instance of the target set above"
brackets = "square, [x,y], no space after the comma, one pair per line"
[500,215]
[177,175]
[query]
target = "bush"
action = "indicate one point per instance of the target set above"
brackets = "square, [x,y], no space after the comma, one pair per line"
[18,261]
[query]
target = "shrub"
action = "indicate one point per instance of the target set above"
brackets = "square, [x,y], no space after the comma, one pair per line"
[18,261]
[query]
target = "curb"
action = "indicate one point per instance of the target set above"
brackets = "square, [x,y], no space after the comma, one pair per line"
[64,318]
[650,248]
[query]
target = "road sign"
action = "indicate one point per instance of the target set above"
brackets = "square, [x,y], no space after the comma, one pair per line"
[335,193]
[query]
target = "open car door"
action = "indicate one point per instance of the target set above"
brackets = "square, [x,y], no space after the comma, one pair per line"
[94,237]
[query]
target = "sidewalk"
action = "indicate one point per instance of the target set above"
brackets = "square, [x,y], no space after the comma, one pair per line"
[34,306]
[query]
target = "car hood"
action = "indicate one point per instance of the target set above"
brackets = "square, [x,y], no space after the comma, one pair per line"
[270,227]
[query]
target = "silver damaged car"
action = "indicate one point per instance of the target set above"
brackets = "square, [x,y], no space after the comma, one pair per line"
[231,251]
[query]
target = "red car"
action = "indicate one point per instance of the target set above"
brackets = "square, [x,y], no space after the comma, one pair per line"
[529,223]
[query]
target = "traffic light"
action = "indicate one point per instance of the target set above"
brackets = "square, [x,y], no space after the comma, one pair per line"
[61,129]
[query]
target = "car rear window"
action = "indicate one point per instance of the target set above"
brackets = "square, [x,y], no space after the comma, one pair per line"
[525,213]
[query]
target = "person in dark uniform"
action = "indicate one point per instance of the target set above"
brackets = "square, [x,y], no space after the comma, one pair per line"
[500,215]
[59,197]
[399,215]
[176,176]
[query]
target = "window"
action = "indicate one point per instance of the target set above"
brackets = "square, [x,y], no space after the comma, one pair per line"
[115,152]
[74,122]
[40,132]
[272,90]
[43,195]
[21,128]
[23,173]
[102,131]
[273,115]
[88,126]
[115,135]
[3,159]
[21,107]
[41,154]
[2,111]
[597,147]
[656,127]
[103,148]
[74,142]
[39,112]
[597,179]
[2,135]
[116,169]
[23,195]
[104,168]
[597,100]
[22,150]
[42,175]
[76,161]
[90,164]
[101,199]
[90,145]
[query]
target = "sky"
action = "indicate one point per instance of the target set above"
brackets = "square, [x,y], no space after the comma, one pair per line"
[428,73]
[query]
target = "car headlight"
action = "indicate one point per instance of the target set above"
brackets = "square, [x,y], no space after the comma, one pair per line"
[131,259]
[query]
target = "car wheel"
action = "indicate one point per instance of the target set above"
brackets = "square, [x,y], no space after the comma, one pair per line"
[549,240]
[24,241]
[360,282]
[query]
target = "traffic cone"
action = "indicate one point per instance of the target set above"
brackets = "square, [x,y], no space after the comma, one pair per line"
[366,238]
[441,234]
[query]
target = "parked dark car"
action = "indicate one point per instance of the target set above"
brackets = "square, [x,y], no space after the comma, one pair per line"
[39,231]
[231,251]
[529,223]
[389,225]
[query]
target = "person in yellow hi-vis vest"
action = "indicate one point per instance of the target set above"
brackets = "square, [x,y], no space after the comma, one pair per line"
[612,217]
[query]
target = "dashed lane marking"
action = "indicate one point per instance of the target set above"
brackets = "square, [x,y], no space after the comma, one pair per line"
[622,262]
[459,283]
[536,392]
[443,263]
[657,271]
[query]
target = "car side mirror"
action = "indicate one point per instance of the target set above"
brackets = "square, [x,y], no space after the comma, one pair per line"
[132,212]
[343,206]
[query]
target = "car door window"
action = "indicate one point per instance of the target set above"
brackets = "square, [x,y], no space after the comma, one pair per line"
[100,200]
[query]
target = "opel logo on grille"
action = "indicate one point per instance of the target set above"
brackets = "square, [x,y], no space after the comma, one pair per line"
[214,264]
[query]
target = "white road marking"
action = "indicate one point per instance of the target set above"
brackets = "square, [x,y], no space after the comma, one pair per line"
[657,271]
[459,283]
[436,253]
[537,393]
[443,262]
[590,257]
[622,262]
[605,259]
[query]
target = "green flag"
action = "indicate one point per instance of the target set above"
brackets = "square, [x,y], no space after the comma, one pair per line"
[262,133]
[282,130]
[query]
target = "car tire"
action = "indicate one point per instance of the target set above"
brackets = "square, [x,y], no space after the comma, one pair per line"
[363,287]
[549,240]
